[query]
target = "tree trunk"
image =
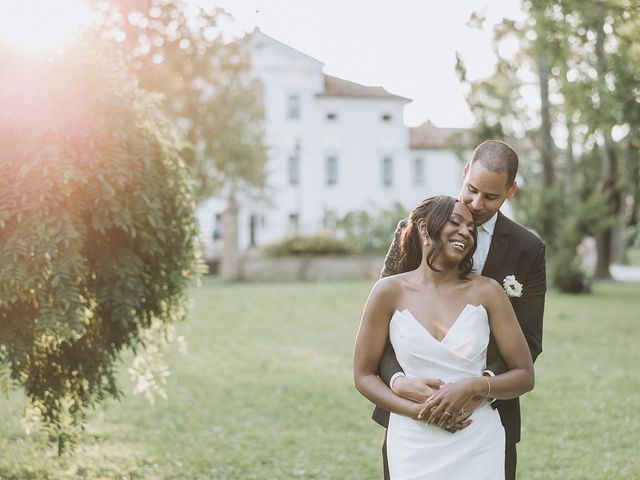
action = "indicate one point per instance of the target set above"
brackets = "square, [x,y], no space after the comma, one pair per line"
[605,238]
[548,174]
[609,171]
[632,155]
[603,249]
[230,261]
[618,244]
[571,163]
[629,207]
[545,124]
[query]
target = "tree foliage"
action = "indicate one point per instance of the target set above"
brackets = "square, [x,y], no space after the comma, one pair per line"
[183,51]
[580,59]
[97,231]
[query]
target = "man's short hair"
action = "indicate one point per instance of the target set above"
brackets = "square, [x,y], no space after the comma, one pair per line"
[498,157]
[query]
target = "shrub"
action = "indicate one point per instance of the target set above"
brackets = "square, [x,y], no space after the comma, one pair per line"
[97,232]
[567,275]
[578,213]
[311,244]
[371,231]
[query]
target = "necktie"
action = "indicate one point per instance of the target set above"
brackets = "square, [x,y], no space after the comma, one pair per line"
[480,255]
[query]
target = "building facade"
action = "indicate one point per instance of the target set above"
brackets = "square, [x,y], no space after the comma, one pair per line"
[334,147]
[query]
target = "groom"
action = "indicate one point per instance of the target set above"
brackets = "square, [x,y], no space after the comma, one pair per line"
[504,248]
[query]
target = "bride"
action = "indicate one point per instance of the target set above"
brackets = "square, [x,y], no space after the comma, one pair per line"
[438,317]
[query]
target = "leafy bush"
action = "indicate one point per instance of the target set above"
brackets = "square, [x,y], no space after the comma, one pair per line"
[97,232]
[311,244]
[371,231]
[361,231]
[578,213]
[567,274]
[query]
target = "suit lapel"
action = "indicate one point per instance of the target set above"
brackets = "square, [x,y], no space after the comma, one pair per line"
[497,249]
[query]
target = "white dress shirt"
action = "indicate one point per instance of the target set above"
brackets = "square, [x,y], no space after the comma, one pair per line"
[485,234]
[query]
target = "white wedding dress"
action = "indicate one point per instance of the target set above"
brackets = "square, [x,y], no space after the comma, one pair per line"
[419,451]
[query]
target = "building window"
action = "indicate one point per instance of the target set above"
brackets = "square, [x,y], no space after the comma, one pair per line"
[253,227]
[217,227]
[293,169]
[294,221]
[418,171]
[387,172]
[331,169]
[293,107]
[332,116]
[386,117]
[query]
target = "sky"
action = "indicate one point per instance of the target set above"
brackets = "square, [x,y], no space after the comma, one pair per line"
[406,46]
[48,28]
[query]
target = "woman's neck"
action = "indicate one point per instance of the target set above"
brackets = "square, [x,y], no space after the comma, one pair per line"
[447,274]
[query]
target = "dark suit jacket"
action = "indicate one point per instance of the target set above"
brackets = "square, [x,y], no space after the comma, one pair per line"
[515,251]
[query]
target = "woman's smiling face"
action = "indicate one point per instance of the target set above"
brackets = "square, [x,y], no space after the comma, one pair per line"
[457,233]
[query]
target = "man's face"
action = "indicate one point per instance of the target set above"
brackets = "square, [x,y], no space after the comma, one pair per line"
[484,191]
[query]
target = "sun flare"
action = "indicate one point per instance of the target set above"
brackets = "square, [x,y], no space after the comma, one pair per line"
[37,25]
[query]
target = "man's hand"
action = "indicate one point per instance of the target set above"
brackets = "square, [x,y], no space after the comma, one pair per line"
[416,389]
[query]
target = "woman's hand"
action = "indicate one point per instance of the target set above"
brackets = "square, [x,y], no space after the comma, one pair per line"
[444,408]
[416,389]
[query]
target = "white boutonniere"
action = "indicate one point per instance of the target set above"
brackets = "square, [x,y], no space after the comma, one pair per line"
[512,286]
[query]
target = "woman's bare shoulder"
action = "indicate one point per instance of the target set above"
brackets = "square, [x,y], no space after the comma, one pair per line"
[486,287]
[393,285]
[386,292]
[390,284]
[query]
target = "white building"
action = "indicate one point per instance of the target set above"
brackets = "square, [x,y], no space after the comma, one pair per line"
[333,146]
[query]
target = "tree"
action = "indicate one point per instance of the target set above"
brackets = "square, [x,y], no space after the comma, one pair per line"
[182,51]
[97,230]
[576,53]
[624,62]
[600,90]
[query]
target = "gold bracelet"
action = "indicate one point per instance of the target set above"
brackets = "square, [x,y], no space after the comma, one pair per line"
[488,387]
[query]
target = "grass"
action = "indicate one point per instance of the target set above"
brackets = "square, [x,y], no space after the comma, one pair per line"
[265,392]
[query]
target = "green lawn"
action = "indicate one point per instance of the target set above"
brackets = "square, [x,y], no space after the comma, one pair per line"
[265,392]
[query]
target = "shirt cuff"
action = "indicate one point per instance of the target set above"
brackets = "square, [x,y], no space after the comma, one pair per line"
[394,378]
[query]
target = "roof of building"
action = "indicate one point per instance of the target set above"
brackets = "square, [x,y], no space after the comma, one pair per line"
[337,87]
[429,137]
[258,37]
[333,86]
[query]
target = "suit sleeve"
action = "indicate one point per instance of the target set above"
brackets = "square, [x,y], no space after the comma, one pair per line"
[529,309]
[391,261]
[389,365]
